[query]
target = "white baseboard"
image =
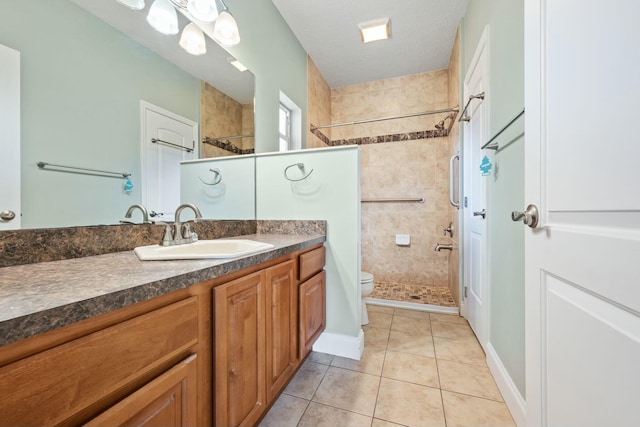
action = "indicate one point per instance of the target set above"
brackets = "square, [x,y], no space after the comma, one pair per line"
[512,397]
[340,345]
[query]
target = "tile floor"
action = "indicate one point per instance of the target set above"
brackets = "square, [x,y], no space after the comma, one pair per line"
[434,295]
[418,369]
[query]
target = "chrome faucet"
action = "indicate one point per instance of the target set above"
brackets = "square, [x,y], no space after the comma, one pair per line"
[180,233]
[145,214]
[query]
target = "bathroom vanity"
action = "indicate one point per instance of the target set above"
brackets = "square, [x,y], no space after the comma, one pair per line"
[195,342]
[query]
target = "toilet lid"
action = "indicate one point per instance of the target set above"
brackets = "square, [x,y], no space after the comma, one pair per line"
[366,277]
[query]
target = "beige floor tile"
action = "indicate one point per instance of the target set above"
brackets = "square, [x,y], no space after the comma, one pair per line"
[411,324]
[377,422]
[411,313]
[306,380]
[380,320]
[318,415]
[463,350]
[370,363]
[409,404]
[375,338]
[451,330]
[322,358]
[349,390]
[468,379]
[420,343]
[411,368]
[463,411]
[379,309]
[451,318]
[285,412]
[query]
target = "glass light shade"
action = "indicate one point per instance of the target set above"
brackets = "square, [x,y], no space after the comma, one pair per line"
[192,40]
[163,17]
[132,4]
[225,30]
[203,10]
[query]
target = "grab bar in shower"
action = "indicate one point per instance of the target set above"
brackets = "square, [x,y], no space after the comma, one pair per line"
[399,200]
[454,203]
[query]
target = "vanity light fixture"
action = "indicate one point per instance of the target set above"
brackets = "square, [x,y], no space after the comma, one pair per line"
[225,29]
[163,17]
[192,40]
[132,4]
[203,10]
[379,29]
[239,65]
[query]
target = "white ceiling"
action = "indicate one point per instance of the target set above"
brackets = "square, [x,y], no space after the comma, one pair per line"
[422,36]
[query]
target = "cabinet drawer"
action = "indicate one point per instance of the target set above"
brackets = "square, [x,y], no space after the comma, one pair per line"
[310,263]
[73,380]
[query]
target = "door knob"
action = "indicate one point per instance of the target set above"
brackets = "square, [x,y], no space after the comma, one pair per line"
[7,215]
[482,213]
[529,216]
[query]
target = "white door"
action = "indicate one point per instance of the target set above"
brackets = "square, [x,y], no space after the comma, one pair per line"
[476,289]
[582,262]
[167,139]
[9,138]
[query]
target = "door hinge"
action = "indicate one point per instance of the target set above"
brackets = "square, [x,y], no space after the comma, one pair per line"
[465,291]
[465,202]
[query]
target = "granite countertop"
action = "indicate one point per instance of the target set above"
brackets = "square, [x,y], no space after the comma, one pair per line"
[40,297]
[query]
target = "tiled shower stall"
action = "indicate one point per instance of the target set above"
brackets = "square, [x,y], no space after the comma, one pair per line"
[412,163]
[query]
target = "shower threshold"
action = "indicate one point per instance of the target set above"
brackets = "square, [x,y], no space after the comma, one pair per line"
[415,297]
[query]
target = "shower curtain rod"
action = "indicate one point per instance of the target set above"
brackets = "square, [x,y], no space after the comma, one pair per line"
[447,110]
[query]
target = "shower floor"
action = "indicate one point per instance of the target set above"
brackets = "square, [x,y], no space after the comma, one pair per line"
[431,295]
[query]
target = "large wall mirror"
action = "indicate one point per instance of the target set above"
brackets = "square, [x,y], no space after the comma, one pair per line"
[85,66]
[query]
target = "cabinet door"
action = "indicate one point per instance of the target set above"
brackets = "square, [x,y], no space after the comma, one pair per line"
[169,400]
[239,328]
[312,311]
[281,323]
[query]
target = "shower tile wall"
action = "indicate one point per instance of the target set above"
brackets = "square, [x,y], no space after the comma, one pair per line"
[319,99]
[417,168]
[221,115]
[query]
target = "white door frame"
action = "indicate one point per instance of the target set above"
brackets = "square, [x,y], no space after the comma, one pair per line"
[479,64]
[10,136]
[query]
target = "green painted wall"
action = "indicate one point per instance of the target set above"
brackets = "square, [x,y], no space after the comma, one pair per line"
[81,86]
[505,97]
[274,55]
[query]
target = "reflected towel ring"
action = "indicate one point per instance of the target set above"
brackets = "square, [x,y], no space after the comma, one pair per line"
[301,167]
[216,180]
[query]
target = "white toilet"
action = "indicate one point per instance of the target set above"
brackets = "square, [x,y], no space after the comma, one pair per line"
[366,285]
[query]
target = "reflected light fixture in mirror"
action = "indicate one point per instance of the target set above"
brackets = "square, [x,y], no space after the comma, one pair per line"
[225,30]
[192,40]
[132,4]
[163,17]
[203,10]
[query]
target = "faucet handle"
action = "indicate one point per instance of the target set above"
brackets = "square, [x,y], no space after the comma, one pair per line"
[167,238]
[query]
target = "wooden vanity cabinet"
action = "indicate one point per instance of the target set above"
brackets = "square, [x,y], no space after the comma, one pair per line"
[72,382]
[312,302]
[264,323]
[168,401]
[240,394]
[256,342]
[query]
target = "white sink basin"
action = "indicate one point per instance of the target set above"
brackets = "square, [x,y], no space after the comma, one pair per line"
[201,249]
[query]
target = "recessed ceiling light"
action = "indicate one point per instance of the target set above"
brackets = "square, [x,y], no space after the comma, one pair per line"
[380,29]
[237,64]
